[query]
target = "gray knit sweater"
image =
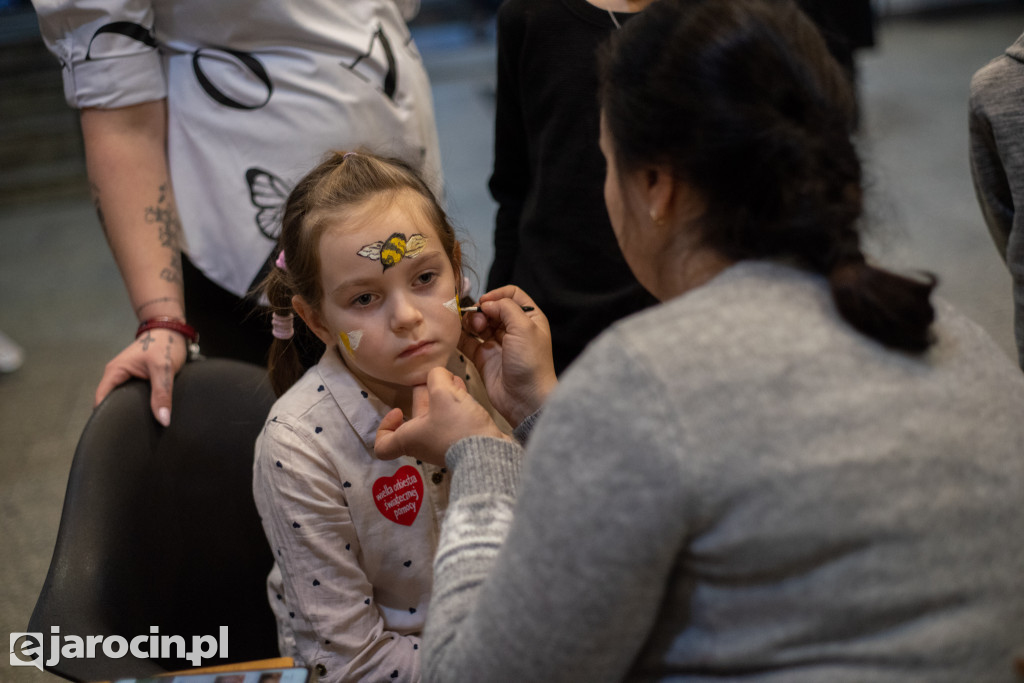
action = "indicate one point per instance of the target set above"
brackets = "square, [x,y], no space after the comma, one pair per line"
[997,163]
[738,485]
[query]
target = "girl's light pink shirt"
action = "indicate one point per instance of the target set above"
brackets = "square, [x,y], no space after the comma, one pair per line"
[353,537]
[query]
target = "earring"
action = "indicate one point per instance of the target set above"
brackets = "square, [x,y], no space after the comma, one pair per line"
[658,220]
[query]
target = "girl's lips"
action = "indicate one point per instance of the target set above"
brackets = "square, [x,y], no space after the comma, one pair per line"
[417,349]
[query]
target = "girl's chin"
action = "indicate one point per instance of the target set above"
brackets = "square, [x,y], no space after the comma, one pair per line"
[407,372]
[412,378]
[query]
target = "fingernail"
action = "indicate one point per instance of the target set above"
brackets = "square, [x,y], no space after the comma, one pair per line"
[163,416]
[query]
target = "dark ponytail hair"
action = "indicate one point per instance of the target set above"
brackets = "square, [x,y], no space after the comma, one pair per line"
[742,99]
[341,183]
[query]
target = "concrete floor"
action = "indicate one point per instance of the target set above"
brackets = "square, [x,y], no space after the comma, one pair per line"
[63,299]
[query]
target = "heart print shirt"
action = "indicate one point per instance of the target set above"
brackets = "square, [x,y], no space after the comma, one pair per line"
[353,537]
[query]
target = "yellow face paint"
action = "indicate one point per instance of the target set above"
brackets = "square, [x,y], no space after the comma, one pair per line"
[351,340]
[394,249]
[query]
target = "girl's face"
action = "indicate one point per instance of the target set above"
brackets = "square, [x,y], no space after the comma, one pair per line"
[390,301]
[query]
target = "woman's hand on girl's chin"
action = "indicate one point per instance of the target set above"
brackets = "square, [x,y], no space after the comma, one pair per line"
[443,412]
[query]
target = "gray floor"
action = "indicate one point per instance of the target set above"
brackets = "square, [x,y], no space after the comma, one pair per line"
[63,300]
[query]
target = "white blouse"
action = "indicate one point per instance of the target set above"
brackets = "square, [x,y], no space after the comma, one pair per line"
[257,92]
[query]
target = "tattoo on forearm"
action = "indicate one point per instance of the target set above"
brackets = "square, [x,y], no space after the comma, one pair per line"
[172,273]
[95,191]
[152,302]
[165,217]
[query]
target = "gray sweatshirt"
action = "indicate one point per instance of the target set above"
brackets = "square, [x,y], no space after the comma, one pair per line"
[736,484]
[997,163]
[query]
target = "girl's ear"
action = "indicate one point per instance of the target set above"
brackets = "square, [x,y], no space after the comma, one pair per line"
[311,317]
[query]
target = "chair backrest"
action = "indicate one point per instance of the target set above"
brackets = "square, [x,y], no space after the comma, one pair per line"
[159,528]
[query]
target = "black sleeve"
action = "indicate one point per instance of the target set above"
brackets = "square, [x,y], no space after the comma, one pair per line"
[510,179]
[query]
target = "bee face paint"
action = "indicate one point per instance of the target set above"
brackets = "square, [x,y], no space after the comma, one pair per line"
[394,249]
[350,340]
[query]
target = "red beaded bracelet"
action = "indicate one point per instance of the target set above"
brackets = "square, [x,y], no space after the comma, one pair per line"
[181,328]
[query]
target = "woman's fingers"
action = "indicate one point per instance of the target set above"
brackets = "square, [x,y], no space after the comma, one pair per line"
[387,445]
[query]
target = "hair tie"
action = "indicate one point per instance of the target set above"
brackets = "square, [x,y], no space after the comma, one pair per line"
[347,155]
[282,325]
[280,261]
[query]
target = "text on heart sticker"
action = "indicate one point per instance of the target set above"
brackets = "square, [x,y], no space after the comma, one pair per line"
[399,497]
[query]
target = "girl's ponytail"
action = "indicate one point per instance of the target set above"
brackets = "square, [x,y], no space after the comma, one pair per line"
[285,363]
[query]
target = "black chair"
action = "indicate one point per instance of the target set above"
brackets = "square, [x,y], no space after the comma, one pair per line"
[159,528]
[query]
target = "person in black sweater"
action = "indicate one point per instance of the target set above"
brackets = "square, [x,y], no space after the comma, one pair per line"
[846,26]
[552,237]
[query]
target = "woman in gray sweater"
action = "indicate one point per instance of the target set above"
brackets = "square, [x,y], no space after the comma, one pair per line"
[797,467]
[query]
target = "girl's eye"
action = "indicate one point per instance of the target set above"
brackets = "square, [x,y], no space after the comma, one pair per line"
[426,278]
[363,300]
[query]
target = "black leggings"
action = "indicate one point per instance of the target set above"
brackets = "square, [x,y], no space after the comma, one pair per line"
[232,327]
[228,326]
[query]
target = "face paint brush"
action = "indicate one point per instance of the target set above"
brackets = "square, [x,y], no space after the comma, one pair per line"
[476,309]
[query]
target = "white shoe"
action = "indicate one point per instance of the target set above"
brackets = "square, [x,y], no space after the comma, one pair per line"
[11,355]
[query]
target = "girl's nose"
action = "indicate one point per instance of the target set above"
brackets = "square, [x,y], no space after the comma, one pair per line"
[404,313]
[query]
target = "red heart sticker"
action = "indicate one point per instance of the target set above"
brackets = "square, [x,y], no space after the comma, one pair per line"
[399,497]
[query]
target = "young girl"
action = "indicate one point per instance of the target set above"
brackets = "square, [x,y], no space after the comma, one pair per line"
[370,264]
